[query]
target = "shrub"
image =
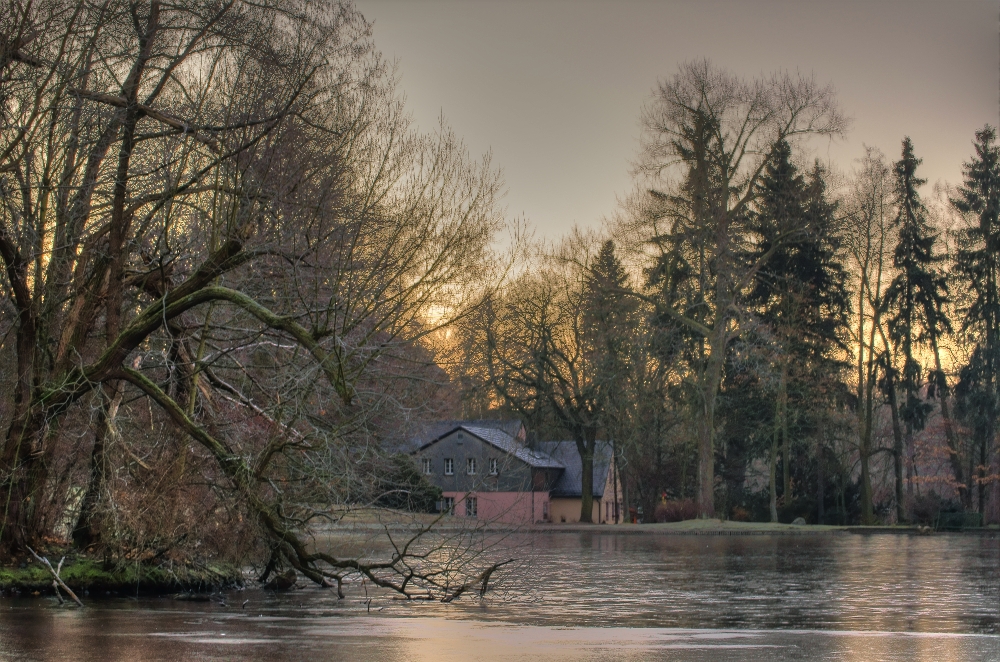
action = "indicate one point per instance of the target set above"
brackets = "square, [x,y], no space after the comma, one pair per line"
[740,514]
[676,511]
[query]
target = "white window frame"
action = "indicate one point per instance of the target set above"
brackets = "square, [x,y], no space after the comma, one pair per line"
[494,466]
[448,504]
[470,466]
[449,466]
[427,465]
[471,507]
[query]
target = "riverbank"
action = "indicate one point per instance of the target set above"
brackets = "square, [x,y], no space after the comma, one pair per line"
[85,576]
[697,527]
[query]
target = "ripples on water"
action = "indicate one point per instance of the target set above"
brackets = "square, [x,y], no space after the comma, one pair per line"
[594,596]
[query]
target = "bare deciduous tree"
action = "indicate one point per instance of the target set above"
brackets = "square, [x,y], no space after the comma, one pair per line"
[223,245]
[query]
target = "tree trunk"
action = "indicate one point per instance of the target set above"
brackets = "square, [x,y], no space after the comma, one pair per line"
[897,451]
[820,486]
[24,469]
[955,457]
[786,443]
[773,462]
[586,449]
[865,378]
[86,531]
[614,478]
[711,380]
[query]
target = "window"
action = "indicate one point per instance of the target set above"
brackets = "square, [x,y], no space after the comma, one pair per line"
[545,511]
[470,466]
[449,467]
[607,511]
[471,507]
[494,470]
[426,465]
[448,505]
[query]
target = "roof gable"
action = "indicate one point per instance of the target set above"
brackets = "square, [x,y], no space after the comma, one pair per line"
[504,442]
[434,430]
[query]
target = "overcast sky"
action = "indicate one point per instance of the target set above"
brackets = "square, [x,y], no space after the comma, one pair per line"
[554,88]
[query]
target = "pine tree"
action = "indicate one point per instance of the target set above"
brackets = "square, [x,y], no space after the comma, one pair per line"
[977,266]
[914,301]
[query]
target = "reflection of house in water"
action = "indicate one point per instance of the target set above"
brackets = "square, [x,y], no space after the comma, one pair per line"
[487,470]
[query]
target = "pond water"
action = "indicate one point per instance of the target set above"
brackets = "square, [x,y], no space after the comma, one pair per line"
[593,596]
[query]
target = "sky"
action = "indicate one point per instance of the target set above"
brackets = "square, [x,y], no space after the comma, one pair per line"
[554,88]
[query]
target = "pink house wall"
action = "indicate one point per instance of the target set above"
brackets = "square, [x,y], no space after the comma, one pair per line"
[505,507]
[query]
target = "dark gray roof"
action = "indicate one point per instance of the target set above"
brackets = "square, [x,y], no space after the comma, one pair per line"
[570,482]
[505,442]
[434,430]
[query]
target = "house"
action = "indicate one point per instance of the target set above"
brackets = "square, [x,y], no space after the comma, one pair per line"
[566,495]
[486,470]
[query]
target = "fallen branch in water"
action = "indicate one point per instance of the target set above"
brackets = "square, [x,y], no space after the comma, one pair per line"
[57,581]
[482,581]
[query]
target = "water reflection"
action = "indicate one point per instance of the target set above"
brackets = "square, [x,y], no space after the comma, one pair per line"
[594,596]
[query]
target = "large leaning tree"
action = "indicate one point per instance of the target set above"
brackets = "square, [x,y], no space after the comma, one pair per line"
[220,243]
[707,138]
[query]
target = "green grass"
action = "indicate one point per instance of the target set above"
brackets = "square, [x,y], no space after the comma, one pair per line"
[719,525]
[82,573]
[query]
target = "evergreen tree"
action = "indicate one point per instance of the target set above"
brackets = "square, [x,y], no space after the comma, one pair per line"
[779,293]
[914,303]
[609,320]
[803,299]
[977,265]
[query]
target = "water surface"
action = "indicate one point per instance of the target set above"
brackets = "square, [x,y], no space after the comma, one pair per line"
[586,597]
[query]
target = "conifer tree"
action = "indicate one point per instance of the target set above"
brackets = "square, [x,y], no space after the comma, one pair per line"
[609,321]
[977,266]
[803,299]
[914,302]
[780,293]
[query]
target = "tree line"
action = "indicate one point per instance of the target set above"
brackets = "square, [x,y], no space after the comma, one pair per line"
[756,333]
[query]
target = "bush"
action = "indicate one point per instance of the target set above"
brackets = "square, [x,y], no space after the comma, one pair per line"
[740,514]
[676,511]
[402,487]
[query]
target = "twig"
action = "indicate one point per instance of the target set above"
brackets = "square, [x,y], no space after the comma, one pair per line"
[58,580]
[482,580]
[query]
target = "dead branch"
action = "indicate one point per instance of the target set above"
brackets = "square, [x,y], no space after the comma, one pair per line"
[482,581]
[57,580]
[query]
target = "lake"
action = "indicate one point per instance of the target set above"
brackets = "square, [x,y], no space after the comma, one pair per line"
[585,596]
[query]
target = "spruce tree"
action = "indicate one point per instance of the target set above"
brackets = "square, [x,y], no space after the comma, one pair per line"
[803,299]
[977,266]
[609,319]
[914,302]
[778,292]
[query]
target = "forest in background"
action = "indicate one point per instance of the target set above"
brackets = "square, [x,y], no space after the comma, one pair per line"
[761,338]
[235,277]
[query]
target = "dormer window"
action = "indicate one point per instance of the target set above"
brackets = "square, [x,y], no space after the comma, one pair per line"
[470,466]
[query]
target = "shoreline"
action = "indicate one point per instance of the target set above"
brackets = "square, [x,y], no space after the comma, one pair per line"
[86,576]
[685,528]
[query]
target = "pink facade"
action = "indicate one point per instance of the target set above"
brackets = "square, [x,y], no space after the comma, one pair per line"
[506,507]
